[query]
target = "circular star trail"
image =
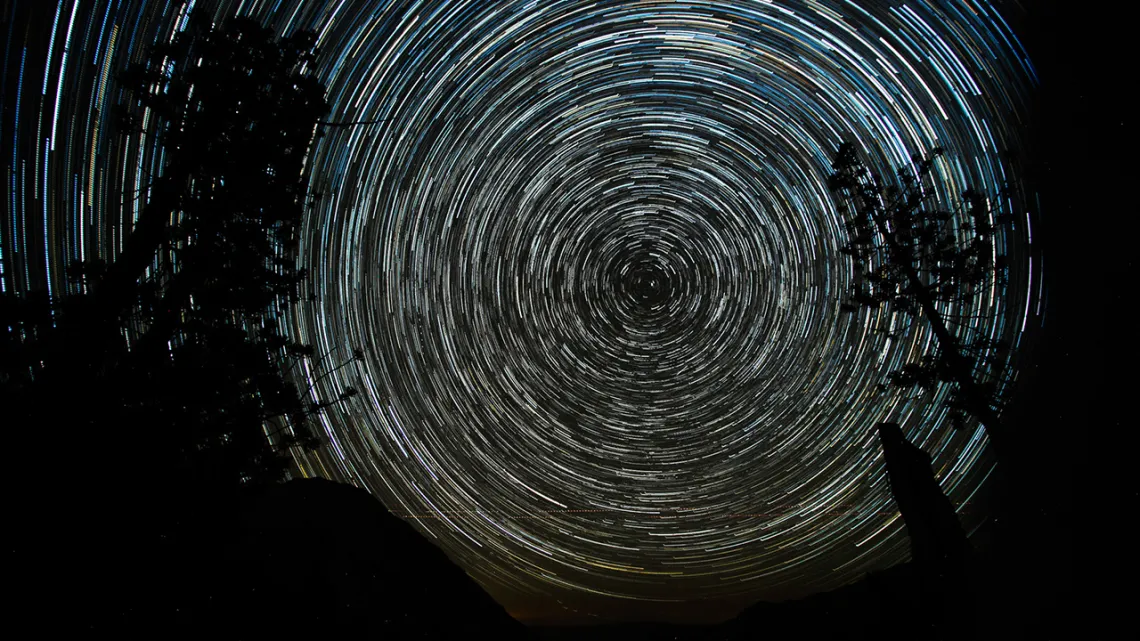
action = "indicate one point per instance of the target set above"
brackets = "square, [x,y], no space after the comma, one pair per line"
[589,253]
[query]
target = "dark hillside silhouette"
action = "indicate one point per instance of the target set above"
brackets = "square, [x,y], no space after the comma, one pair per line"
[317,559]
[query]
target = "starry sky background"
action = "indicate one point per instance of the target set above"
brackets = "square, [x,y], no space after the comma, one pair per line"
[591,259]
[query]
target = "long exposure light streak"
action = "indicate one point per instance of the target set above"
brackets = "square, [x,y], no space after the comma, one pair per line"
[590,255]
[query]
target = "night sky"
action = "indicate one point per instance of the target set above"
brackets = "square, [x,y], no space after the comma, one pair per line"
[590,256]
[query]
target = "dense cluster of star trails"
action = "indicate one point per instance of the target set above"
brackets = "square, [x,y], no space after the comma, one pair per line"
[590,255]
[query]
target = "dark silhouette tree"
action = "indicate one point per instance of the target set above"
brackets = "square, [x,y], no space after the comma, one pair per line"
[936,537]
[237,110]
[177,345]
[928,263]
[940,550]
[167,384]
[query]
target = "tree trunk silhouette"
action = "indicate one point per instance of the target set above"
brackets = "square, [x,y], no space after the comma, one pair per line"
[940,550]
[936,536]
[975,401]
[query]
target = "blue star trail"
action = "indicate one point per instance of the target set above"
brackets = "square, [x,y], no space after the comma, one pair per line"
[588,251]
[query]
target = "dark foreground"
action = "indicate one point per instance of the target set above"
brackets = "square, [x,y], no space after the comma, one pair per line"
[317,559]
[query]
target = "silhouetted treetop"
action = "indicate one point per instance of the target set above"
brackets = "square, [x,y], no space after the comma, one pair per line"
[929,263]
